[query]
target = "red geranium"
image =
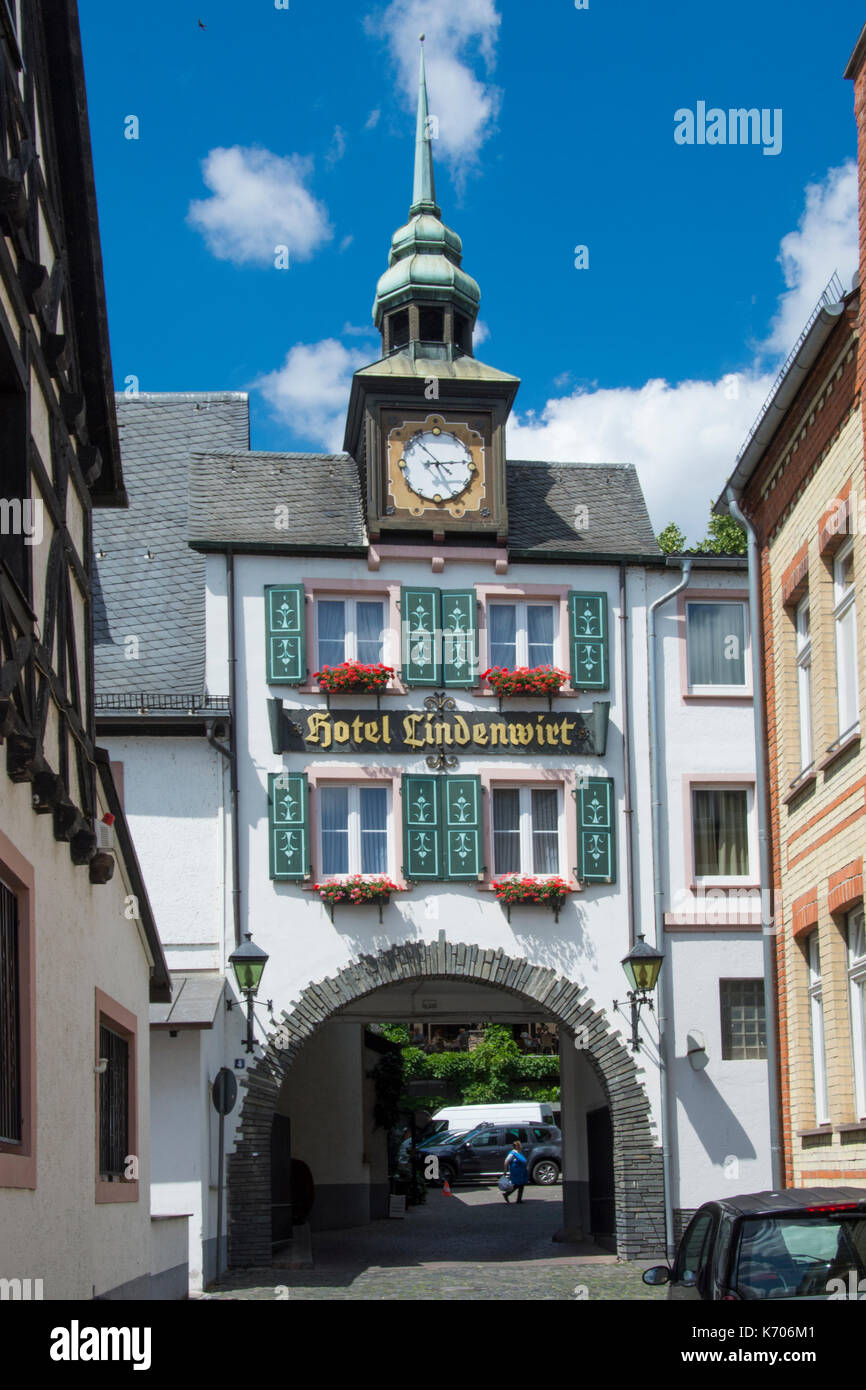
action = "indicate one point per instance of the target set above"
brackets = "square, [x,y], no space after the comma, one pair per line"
[525,680]
[353,675]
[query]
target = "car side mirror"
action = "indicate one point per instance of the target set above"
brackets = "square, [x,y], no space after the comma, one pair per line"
[659,1274]
[467,1145]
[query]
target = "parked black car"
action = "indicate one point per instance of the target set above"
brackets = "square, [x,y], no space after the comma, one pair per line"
[803,1243]
[482,1153]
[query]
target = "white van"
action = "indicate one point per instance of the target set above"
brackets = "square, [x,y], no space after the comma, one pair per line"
[456,1117]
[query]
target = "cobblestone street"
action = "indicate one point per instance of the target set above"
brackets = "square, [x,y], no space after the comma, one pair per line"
[468,1246]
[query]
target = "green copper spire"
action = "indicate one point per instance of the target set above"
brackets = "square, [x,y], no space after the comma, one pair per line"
[424,272]
[424,191]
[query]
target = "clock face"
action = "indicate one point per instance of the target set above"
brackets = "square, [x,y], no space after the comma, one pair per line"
[436,465]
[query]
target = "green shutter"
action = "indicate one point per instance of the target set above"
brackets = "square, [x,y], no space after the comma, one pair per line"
[419,618]
[596,831]
[459,638]
[587,618]
[462,816]
[422,835]
[285,634]
[289,825]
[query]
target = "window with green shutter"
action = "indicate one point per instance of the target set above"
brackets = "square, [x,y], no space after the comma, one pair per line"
[422,836]
[285,634]
[442,820]
[587,617]
[596,831]
[440,637]
[459,638]
[289,825]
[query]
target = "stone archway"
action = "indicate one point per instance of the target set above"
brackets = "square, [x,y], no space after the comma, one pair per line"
[638,1175]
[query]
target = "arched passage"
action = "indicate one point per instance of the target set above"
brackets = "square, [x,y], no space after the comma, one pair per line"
[637,1156]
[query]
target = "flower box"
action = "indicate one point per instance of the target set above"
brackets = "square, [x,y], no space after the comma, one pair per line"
[353,676]
[359,888]
[527,888]
[525,680]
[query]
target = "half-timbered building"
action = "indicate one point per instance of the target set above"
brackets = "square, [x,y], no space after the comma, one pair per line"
[80,959]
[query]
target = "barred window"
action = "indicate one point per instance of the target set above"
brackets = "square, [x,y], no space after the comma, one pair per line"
[113,1105]
[744,1023]
[10,1020]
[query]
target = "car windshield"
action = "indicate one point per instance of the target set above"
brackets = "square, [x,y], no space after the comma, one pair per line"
[810,1256]
[452,1137]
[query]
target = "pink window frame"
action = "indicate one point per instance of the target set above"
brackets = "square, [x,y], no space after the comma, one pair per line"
[353,774]
[18,1161]
[373,588]
[691,781]
[555,593]
[739,695]
[121,1020]
[506,776]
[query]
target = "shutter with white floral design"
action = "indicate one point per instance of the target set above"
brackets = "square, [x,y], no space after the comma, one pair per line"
[288,825]
[462,827]
[459,638]
[422,640]
[587,615]
[422,839]
[596,831]
[285,634]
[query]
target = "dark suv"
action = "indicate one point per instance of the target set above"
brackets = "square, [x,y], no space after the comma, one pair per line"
[804,1243]
[482,1153]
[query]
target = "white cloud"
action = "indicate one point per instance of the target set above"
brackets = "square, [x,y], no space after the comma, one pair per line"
[684,437]
[309,392]
[480,333]
[338,146]
[260,201]
[826,240]
[456,31]
[373,119]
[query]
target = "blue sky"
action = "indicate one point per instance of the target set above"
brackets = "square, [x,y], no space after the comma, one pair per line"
[556,129]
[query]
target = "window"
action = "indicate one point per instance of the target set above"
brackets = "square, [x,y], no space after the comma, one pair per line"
[522,634]
[816,1011]
[10,1022]
[720,824]
[354,829]
[113,1105]
[696,1244]
[804,681]
[845,620]
[485,1141]
[744,1025]
[526,830]
[349,629]
[716,640]
[857,988]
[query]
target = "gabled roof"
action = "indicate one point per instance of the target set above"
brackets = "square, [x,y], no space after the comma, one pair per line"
[269,501]
[159,600]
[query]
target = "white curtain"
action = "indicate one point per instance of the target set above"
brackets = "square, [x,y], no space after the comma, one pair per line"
[370,624]
[539,622]
[721,833]
[506,830]
[374,830]
[715,659]
[332,631]
[503,635]
[334,809]
[545,832]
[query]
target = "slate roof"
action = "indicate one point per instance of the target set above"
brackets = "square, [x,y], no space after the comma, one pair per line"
[159,600]
[235,498]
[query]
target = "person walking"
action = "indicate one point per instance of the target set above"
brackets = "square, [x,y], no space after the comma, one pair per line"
[517,1169]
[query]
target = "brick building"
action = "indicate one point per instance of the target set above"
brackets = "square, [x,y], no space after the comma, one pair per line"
[800,484]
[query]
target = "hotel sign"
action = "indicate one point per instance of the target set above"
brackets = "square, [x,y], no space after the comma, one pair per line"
[446,732]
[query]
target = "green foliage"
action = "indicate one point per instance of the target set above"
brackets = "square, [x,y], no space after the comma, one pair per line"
[496,1071]
[725,536]
[396,1033]
[672,540]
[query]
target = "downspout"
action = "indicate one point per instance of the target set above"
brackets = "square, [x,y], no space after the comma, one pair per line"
[768,929]
[657,783]
[626,751]
[231,752]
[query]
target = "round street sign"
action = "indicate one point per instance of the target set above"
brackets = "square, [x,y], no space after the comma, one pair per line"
[225,1091]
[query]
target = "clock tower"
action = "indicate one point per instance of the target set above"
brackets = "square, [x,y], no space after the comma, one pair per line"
[426,422]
